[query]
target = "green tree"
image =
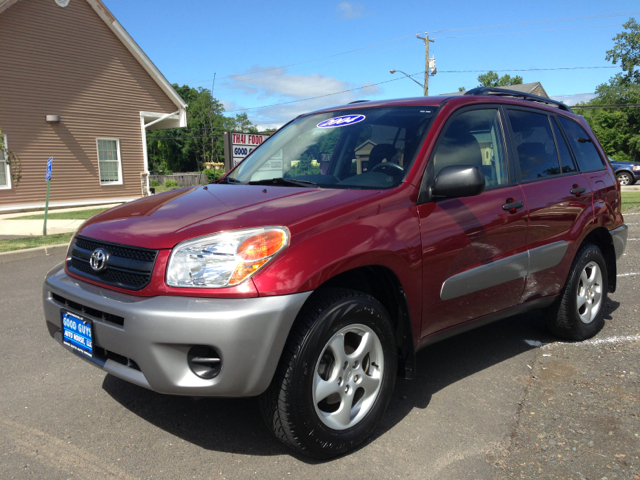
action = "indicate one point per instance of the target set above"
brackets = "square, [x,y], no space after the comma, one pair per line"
[240,123]
[618,129]
[627,51]
[491,79]
[187,149]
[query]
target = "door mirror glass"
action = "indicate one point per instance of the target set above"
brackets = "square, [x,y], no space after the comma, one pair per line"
[459,181]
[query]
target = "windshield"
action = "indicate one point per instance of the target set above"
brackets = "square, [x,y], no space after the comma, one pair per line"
[372,148]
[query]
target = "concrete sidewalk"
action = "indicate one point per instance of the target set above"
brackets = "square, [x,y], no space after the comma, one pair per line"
[12,228]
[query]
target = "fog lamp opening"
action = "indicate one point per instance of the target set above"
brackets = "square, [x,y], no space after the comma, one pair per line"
[204,361]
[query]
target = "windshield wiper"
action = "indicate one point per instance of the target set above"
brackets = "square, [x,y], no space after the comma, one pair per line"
[284,181]
[227,180]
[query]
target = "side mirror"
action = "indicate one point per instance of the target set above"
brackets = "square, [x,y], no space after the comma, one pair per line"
[459,181]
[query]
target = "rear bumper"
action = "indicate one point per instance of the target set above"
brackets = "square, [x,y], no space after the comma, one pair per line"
[156,334]
[619,236]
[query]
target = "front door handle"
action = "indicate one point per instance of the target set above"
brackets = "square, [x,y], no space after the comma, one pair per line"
[512,205]
[578,190]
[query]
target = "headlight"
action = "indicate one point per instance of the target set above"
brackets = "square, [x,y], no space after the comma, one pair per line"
[224,259]
[636,168]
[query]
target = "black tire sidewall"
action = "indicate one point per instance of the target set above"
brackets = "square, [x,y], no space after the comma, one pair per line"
[582,330]
[320,439]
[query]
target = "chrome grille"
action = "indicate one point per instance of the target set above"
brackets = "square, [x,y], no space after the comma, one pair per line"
[126,267]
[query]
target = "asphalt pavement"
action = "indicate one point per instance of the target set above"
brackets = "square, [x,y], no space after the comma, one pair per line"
[503,401]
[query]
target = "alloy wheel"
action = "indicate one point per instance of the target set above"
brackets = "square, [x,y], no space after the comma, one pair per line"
[589,295]
[348,376]
[624,178]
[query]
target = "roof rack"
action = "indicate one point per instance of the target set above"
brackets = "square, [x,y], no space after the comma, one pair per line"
[357,101]
[503,92]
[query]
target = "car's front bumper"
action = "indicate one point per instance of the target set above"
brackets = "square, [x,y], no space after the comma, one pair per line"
[150,347]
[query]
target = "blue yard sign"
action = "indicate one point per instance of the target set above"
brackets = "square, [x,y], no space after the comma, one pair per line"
[49,166]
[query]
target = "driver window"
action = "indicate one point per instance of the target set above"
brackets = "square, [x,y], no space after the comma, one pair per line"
[475,138]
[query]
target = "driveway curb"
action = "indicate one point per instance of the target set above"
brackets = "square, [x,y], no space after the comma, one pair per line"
[6,257]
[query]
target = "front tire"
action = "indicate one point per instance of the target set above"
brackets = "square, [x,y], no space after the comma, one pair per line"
[625,178]
[335,377]
[578,313]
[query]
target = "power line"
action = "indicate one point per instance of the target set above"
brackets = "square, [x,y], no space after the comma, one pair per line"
[525,69]
[538,22]
[528,31]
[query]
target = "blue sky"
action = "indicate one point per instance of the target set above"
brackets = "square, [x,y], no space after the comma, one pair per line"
[299,42]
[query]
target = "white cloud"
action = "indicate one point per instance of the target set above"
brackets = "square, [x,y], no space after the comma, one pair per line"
[229,105]
[349,10]
[574,99]
[278,87]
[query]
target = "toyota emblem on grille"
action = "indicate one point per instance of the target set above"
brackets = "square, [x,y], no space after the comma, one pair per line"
[98,260]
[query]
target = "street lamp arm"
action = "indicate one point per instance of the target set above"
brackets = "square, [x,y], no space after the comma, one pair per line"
[406,75]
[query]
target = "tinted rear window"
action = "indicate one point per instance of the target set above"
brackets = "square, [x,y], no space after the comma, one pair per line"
[585,151]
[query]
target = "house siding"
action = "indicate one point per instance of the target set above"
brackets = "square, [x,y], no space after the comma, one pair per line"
[67,62]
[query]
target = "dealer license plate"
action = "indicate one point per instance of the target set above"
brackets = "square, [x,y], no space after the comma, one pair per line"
[77,333]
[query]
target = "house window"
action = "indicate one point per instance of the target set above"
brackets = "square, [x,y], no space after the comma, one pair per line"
[109,163]
[5,175]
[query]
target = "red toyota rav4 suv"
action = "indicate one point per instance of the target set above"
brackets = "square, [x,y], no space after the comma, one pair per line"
[313,272]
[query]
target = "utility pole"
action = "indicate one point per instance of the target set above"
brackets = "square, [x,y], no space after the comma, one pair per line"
[426,40]
[213,85]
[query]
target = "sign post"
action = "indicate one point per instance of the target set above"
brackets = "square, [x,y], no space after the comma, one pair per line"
[46,205]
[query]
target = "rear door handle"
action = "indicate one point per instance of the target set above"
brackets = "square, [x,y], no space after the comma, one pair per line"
[513,205]
[578,190]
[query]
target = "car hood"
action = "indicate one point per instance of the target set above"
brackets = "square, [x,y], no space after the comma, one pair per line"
[163,220]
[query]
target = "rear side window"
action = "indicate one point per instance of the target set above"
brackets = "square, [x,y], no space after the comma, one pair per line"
[585,151]
[534,142]
[475,138]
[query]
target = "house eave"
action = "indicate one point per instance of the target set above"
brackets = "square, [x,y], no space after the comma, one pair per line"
[146,63]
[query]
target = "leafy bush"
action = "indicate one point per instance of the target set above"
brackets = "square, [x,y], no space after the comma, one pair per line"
[170,183]
[212,174]
[154,183]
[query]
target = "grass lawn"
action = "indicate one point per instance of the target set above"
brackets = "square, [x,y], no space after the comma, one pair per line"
[32,242]
[77,215]
[630,200]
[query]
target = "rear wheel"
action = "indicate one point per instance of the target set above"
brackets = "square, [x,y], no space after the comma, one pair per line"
[579,311]
[335,377]
[624,178]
